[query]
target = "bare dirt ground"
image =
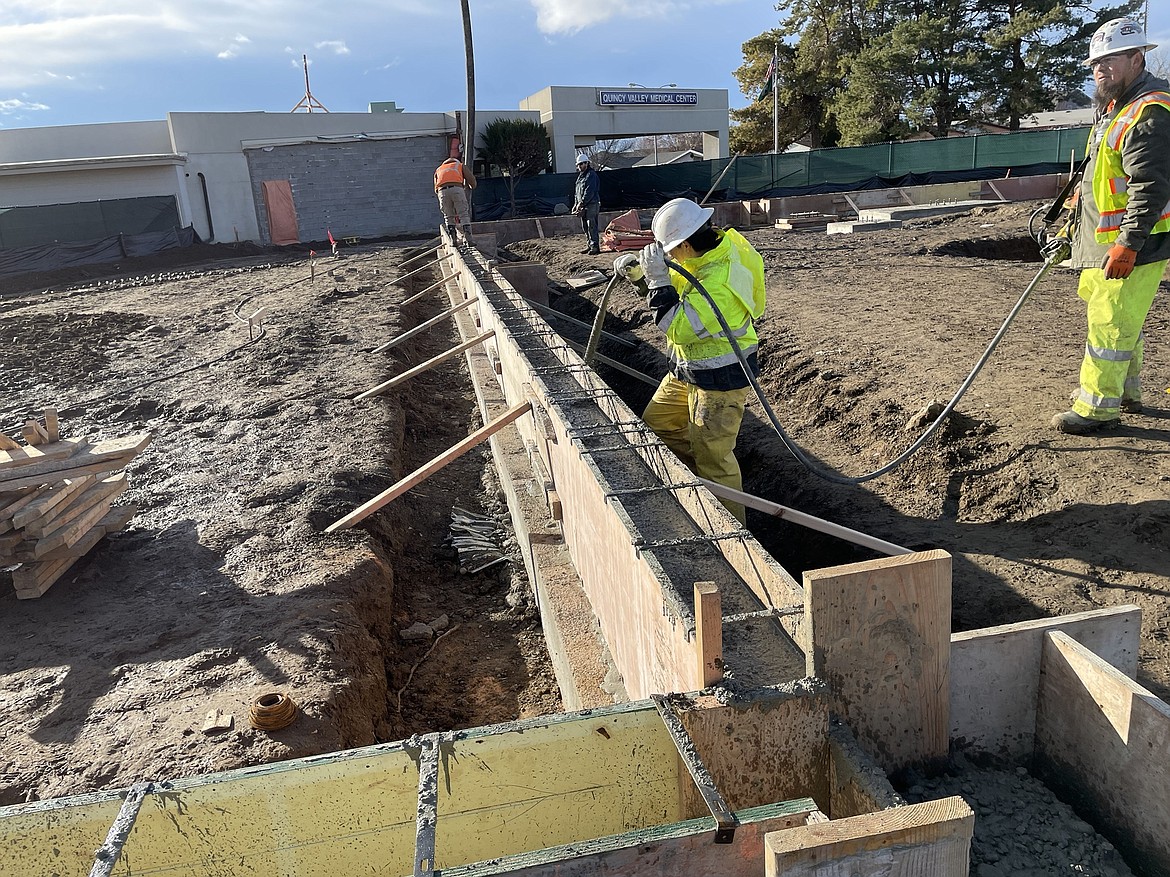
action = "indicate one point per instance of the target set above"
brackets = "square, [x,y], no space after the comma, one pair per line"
[224,586]
[861,333]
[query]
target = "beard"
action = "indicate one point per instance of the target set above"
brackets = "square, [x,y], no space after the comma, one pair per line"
[1109,91]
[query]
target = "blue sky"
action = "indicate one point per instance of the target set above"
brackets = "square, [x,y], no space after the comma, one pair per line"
[78,61]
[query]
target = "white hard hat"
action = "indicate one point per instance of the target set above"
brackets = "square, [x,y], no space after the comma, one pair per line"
[677,220]
[1118,35]
[582,158]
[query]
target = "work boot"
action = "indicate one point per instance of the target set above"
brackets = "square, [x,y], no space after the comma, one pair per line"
[1128,406]
[586,251]
[593,251]
[1072,423]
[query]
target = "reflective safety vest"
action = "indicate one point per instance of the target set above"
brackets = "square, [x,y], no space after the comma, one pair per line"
[1110,182]
[449,173]
[733,275]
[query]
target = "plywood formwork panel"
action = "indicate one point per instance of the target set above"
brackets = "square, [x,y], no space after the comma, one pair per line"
[614,507]
[932,839]
[771,747]
[507,790]
[310,818]
[880,636]
[1103,741]
[682,848]
[857,785]
[995,675]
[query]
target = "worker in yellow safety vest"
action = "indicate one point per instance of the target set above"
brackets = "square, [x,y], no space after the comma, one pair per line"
[1121,225]
[453,180]
[698,407]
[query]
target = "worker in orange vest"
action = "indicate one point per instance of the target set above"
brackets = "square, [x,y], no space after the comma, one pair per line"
[453,179]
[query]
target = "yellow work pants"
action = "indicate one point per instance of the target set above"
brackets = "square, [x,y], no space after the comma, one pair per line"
[701,427]
[1114,346]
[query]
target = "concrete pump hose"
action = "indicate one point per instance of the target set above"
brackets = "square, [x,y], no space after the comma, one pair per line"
[1053,256]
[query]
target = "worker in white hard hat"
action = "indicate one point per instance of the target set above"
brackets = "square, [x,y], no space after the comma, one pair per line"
[1121,225]
[698,407]
[587,203]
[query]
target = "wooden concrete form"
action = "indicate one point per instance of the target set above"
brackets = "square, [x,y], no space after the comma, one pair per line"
[862,225]
[922,210]
[530,279]
[856,784]
[647,615]
[879,633]
[581,663]
[598,792]
[508,231]
[1103,741]
[771,745]
[995,675]
[667,851]
[932,839]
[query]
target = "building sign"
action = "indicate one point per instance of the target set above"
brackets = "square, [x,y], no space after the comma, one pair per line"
[644,96]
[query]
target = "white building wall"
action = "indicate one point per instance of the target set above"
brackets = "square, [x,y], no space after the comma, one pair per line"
[575,118]
[63,142]
[97,184]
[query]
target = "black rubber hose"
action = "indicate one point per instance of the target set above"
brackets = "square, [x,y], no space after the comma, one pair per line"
[1056,252]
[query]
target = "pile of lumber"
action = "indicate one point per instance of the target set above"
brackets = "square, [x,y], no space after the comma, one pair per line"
[625,232]
[57,500]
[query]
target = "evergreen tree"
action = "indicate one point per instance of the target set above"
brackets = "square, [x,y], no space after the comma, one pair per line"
[802,98]
[1032,54]
[519,148]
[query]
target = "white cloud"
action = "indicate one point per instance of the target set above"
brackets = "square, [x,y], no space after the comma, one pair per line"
[233,51]
[337,47]
[570,16]
[75,37]
[16,105]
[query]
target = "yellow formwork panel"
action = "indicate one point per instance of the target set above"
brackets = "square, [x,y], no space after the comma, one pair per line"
[516,791]
[52,837]
[312,818]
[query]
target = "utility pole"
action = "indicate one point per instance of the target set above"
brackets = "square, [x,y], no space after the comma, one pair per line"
[469,131]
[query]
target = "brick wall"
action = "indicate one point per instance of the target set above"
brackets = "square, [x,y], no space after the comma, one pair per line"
[367,188]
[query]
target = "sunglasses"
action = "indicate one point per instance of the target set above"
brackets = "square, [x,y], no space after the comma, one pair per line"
[1110,60]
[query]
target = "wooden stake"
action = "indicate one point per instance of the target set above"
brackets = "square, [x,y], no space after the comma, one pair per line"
[424,472]
[430,363]
[709,633]
[422,327]
[34,433]
[423,292]
[52,426]
[7,444]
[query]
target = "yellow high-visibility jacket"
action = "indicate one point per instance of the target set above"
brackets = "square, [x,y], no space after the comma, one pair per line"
[700,353]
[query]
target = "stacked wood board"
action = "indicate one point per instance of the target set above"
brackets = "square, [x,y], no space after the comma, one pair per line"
[57,501]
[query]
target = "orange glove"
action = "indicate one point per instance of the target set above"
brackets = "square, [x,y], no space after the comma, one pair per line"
[1118,262]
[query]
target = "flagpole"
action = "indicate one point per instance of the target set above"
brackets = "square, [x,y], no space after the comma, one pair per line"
[775,102]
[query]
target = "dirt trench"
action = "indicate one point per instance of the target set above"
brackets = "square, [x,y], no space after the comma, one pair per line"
[224,585]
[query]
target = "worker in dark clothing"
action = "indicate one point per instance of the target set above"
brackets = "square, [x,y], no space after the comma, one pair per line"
[1121,225]
[587,203]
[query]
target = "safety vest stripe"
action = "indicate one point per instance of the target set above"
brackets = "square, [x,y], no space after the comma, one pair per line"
[1108,354]
[1121,124]
[1117,185]
[1105,402]
[668,318]
[1134,383]
[721,361]
[695,320]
